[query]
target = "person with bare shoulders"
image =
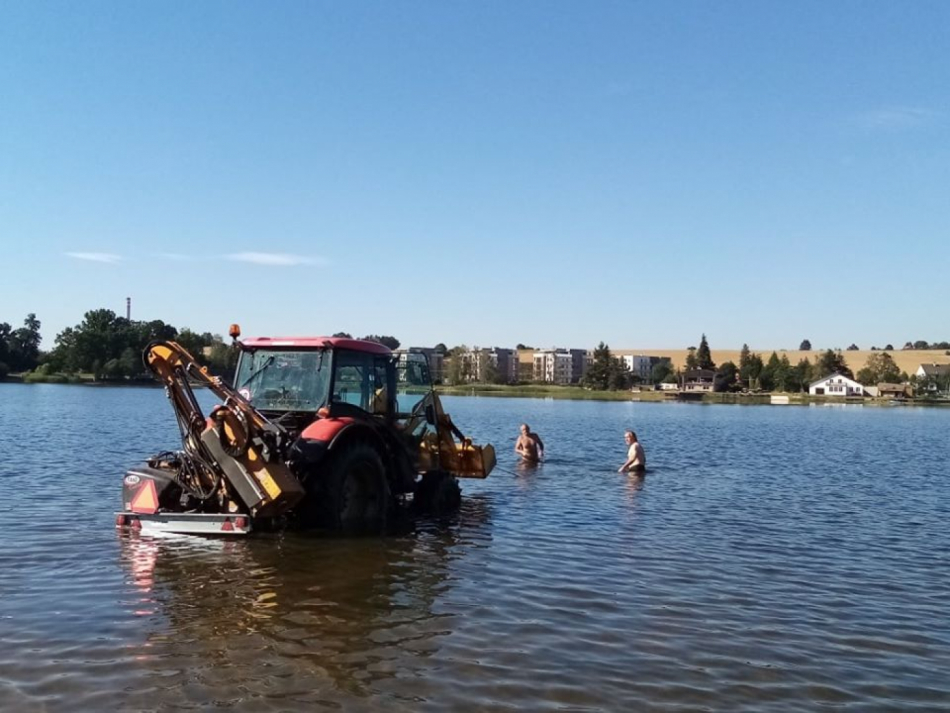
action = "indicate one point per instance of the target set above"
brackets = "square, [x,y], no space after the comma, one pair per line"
[529,445]
[636,459]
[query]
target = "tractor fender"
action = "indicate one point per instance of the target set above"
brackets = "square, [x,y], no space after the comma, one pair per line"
[327,435]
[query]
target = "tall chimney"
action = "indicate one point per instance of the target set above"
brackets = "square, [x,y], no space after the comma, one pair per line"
[128,308]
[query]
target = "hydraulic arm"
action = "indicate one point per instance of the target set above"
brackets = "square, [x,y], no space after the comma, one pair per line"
[234,457]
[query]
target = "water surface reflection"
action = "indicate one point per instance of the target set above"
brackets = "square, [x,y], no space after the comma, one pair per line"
[765,562]
[295,618]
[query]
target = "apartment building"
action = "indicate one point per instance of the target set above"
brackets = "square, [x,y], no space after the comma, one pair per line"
[496,364]
[504,361]
[559,366]
[641,365]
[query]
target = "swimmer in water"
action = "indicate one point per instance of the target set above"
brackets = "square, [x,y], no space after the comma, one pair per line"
[529,445]
[636,459]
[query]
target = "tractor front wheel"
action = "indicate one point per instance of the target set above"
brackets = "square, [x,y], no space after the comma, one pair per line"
[438,494]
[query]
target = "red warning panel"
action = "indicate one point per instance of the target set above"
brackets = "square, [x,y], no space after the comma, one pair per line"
[146,499]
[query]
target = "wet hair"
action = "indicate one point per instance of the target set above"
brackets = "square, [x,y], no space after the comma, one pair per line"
[526,427]
[632,433]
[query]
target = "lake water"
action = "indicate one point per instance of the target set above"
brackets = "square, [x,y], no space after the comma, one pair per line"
[773,559]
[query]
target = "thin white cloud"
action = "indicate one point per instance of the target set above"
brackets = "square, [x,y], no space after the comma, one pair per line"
[177,257]
[96,257]
[275,259]
[894,118]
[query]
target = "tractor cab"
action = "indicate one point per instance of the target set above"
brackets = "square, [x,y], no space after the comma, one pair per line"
[299,381]
[303,376]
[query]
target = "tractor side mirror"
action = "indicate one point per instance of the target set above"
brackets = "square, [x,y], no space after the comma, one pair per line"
[430,414]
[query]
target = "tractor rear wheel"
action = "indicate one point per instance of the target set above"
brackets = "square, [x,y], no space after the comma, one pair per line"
[356,494]
[438,493]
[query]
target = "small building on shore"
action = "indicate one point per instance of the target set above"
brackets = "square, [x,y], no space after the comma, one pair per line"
[698,380]
[895,391]
[932,378]
[836,385]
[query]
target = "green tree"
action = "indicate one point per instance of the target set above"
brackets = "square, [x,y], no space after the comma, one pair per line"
[704,356]
[880,367]
[620,377]
[752,370]
[606,372]
[800,375]
[222,358]
[784,375]
[831,362]
[342,335]
[805,346]
[692,362]
[385,340]
[5,331]
[130,363]
[145,332]
[750,366]
[23,345]
[194,342]
[487,369]
[660,371]
[454,370]
[726,378]
[772,376]
[94,342]
[597,375]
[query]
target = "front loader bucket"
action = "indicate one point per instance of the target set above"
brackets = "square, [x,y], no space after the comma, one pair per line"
[475,461]
[472,461]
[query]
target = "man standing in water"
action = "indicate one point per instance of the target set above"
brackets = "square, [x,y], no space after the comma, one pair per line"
[529,445]
[636,459]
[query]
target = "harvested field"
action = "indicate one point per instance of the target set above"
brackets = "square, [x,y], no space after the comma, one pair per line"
[907,360]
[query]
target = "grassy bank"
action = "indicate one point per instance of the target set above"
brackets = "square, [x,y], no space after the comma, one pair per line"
[539,391]
[39,377]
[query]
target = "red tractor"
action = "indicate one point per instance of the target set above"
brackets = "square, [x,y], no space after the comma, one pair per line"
[316,431]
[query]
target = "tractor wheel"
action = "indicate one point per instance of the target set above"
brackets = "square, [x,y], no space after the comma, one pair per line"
[356,493]
[438,494]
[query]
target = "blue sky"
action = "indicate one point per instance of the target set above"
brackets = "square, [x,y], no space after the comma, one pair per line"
[482,172]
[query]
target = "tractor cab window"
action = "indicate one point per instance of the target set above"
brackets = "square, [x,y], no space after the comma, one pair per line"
[362,380]
[383,395]
[284,380]
[351,379]
[412,381]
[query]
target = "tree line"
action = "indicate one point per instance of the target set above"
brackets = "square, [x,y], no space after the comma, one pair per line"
[107,346]
[779,374]
[753,373]
[110,347]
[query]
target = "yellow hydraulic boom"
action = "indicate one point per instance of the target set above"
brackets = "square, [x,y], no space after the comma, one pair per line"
[238,455]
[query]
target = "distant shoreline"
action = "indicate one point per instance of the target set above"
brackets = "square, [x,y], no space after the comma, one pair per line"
[906,360]
[576,393]
[567,393]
